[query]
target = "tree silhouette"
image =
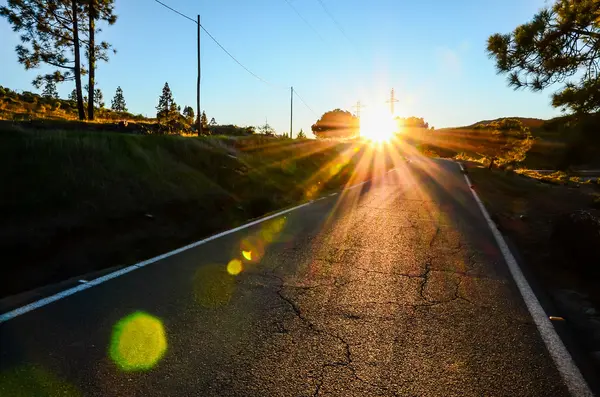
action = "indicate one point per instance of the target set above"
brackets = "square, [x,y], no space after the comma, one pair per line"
[559,45]
[50,34]
[167,108]
[50,89]
[203,119]
[212,121]
[266,129]
[188,113]
[301,135]
[118,102]
[336,123]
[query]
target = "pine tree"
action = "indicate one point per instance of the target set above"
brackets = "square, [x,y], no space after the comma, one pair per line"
[50,34]
[212,121]
[50,89]
[118,102]
[164,103]
[98,100]
[73,95]
[301,135]
[96,10]
[188,113]
[204,119]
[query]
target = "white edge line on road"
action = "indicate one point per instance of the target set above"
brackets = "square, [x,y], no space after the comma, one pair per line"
[357,185]
[63,294]
[564,362]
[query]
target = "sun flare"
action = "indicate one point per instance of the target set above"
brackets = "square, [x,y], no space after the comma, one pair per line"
[377,126]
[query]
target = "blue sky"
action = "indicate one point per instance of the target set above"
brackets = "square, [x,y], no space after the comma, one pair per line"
[431,51]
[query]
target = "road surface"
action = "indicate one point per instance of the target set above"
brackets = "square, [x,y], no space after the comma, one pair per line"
[393,288]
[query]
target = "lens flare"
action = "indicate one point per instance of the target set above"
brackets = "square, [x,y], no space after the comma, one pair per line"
[234,267]
[252,248]
[138,342]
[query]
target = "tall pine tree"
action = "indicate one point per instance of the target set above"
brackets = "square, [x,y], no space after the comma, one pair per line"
[166,109]
[50,34]
[118,102]
[96,10]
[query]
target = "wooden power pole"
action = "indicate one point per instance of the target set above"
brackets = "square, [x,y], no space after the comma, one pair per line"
[199,113]
[291,112]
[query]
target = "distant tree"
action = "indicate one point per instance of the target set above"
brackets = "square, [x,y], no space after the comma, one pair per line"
[559,45]
[118,102]
[266,129]
[188,113]
[412,122]
[203,119]
[73,95]
[301,135]
[50,89]
[50,34]
[98,98]
[95,10]
[166,109]
[336,123]
[212,121]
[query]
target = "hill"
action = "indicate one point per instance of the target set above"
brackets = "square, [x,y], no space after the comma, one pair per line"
[528,122]
[563,142]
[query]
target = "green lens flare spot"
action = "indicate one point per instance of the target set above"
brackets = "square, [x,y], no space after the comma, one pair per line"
[138,342]
[247,255]
[234,267]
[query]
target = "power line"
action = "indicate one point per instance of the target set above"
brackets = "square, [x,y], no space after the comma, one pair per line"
[231,56]
[175,11]
[337,24]
[304,19]
[302,100]
[216,41]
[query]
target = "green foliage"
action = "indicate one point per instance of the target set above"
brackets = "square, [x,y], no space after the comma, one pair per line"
[188,113]
[98,98]
[336,123]
[412,122]
[166,111]
[118,102]
[231,130]
[50,89]
[266,129]
[203,120]
[558,45]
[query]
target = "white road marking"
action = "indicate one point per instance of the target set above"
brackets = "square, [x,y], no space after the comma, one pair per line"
[53,298]
[564,362]
[357,185]
[333,194]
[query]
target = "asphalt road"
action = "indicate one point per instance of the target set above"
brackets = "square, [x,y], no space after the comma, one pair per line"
[392,288]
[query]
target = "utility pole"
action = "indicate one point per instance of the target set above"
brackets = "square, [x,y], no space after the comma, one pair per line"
[198,120]
[392,101]
[358,106]
[291,112]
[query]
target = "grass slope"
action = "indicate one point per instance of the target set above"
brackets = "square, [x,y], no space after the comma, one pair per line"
[74,202]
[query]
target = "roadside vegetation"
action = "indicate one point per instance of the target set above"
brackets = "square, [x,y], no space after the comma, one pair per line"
[74,202]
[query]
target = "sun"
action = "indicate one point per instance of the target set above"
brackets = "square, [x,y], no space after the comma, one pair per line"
[377,125]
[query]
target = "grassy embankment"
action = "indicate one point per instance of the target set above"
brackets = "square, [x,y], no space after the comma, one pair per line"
[74,202]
